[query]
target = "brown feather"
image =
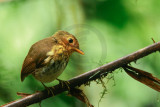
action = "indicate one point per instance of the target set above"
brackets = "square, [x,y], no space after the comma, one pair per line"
[36,56]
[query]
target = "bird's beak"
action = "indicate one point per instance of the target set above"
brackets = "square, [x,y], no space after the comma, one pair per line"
[78,50]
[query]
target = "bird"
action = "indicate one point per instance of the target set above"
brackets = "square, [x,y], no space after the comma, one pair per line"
[48,58]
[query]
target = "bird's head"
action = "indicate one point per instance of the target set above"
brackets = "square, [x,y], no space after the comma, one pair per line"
[68,40]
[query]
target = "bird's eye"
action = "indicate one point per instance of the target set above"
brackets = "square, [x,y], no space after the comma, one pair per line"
[70,40]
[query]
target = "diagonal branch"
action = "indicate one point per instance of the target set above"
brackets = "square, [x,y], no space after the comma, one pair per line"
[86,77]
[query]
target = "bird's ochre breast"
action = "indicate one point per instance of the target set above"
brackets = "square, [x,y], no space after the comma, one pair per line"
[51,71]
[55,63]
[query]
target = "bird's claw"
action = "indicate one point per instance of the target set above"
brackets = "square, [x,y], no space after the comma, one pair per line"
[49,89]
[63,83]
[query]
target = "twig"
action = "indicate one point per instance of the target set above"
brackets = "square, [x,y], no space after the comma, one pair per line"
[86,77]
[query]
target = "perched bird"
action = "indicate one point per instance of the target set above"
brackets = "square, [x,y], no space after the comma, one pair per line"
[47,58]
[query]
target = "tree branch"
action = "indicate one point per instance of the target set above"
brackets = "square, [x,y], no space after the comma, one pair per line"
[86,77]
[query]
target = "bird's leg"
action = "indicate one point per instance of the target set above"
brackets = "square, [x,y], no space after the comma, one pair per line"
[48,89]
[64,83]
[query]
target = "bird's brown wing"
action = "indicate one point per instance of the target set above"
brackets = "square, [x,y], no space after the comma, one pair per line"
[36,56]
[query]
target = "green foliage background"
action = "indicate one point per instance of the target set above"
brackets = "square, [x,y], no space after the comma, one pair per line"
[106,30]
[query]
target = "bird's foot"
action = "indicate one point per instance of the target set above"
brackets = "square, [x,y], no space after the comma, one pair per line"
[49,89]
[63,83]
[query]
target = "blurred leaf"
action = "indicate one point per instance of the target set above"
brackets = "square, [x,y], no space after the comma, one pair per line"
[143,77]
[80,95]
